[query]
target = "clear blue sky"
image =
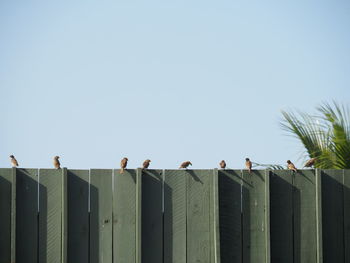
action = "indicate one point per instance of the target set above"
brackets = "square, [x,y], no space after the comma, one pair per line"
[94,81]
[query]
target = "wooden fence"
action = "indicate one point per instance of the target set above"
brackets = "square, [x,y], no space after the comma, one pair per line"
[174,216]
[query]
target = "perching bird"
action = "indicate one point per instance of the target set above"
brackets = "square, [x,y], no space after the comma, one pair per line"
[310,162]
[146,163]
[185,164]
[56,162]
[291,166]
[248,164]
[14,162]
[123,164]
[222,164]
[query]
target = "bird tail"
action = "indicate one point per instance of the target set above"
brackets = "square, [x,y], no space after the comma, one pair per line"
[122,170]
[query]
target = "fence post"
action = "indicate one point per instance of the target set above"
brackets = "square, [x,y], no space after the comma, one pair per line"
[138,213]
[64,216]
[267,216]
[13,215]
[319,254]
[215,225]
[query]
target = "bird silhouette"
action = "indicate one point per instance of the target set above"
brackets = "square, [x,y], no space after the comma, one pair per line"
[248,164]
[14,162]
[310,162]
[222,164]
[184,165]
[291,166]
[123,164]
[146,163]
[56,162]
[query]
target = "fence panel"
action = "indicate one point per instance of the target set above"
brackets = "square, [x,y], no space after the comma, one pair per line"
[255,209]
[230,216]
[50,215]
[78,216]
[347,215]
[5,212]
[152,216]
[305,221]
[281,216]
[332,215]
[27,215]
[175,206]
[100,216]
[125,216]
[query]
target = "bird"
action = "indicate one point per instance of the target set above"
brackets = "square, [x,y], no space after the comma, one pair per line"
[123,164]
[14,162]
[248,164]
[291,166]
[146,163]
[56,162]
[310,162]
[185,164]
[222,164]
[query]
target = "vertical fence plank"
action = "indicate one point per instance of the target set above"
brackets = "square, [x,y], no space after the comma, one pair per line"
[78,216]
[100,216]
[152,216]
[124,216]
[50,215]
[333,215]
[26,215]
[175,203]
[230,216]
[281,216]
[304,202]
[319,243]
[5,212]
[254,207]
[198,220]
[347,215]
[214,219]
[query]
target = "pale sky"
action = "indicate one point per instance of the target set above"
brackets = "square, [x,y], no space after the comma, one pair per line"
[94,81]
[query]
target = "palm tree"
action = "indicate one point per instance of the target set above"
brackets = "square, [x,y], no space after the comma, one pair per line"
[325,136]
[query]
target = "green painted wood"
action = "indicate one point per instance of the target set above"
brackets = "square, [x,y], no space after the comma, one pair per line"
[78,216]
[333,215]
[101,216]
[214,219]
[13,214]
[198,215]
[175,203]
[64,200]
[230,217]
[50,215]
[138,215]
[254,223]
[346,235]
[152,216]
[281,216]
[124,216]
[26,215]
[5,212]
[305,224]
[319,243]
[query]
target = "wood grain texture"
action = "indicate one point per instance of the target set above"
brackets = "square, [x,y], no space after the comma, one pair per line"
[175,210]
[27,215]
[254,222]
[124,217]
[78,216]
[50,215]
[101,216]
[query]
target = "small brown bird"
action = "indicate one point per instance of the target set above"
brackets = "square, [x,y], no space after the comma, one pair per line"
[291,166]
[146,163]
[310,162]
[248,164]
[222,164]
[56,162]
[14,162]
[123,164]
[185,164]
